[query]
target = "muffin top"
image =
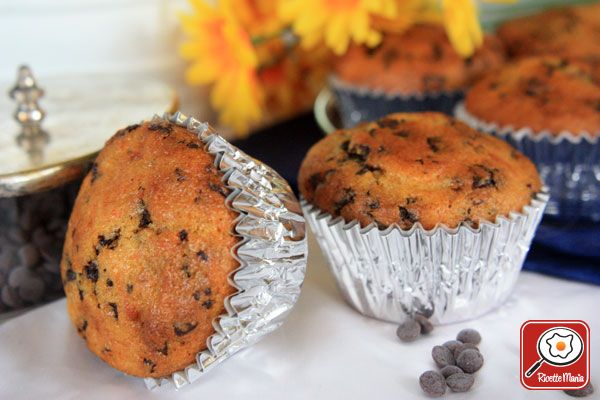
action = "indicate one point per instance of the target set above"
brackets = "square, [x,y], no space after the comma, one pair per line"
[569,32]
[542,93]
[148,250]
[416,167]
[419,60]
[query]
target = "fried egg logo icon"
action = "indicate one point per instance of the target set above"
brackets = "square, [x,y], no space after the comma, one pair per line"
[560,346]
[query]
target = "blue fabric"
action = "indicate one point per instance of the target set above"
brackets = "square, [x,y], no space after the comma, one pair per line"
[567,250]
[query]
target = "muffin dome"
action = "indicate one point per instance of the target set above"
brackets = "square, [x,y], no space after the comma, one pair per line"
[418,60]
[148,250]
[416,167]
[544,93]
[570,32]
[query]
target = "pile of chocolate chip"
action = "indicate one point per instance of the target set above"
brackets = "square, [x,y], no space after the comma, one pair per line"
[457,360]
[32,231]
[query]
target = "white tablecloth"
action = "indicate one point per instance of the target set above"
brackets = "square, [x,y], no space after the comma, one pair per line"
[324,351]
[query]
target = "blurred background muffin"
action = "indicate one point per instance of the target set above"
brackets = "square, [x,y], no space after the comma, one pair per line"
[548,108]
[416,70]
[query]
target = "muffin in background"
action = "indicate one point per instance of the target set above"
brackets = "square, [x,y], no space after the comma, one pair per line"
[416,70]
[548,108]
[568,32]
[417,212]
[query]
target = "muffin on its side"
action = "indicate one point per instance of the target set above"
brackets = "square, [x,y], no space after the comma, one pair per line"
[568,32]
[419,167]
[418,213]
[416,70]
[148,250]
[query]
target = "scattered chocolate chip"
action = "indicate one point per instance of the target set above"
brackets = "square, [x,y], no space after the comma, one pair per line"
[456,184]
[207,291]
[91,271]
[317,179]
[373,205]
[358,153]
[202,255]
[460,382]
[186,270]
[115,310]
[129,288]
[218,188]
[583,392]
[470,360]
[442,356]
[369,168]
[409,330]
[109,283]
[434,143]
[426,325]
[80,294]
[83,327]
[401,133]
[110,242]
[348,196]
[410,200]
[183,328]
[208,304]
[196,295]
[193,145]
[70,275]
[469,336]
[164,350]
[433,383]
[130,128]
[450,370]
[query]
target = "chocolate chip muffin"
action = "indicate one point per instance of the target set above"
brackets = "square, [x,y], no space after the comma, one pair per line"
[542,93]
[419,60]
[416,167]
[148,250]
[568,32]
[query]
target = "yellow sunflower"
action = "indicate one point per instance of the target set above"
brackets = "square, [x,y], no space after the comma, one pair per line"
[336,22]
[221,52]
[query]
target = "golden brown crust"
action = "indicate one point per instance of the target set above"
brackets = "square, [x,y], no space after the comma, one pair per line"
[419,60]
[147,251]
[418,167]
[568,32]
[543,93]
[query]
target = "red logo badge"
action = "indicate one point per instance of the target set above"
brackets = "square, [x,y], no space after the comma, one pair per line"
[555,354]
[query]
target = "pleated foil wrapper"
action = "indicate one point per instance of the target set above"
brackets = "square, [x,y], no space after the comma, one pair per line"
[360,104]
[569,164]
[450,275]
[272,254]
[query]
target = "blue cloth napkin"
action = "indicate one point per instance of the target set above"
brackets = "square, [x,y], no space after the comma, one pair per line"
[566,250]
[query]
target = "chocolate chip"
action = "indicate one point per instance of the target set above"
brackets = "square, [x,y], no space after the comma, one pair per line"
[179,174]
[470,360]
[348,196]
[164,350]
[411,200]
[483,177]
[409,330]
[183,328]
[94,172]
[130,128]
[218,188]
[186,270]
[442,356]
[434,143]
[460,382]
[129,288]
[196,295]
[315,180]
[183,235]
[450,370]
[358,153]
[433,383]
[462,347]
[80,294]
[426,325]
[373,205]
[70,275]
[207,291]
[109,283]
[208,304]
[583,392]
[202,255]
[150,363]
[370,168]
[163,127]
[193,145]
[91,271]
[115,310]
[469,336]
[401,133]
[111,242]
[407,216]
[145,219]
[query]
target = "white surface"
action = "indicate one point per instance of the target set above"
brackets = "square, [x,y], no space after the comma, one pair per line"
[324,351]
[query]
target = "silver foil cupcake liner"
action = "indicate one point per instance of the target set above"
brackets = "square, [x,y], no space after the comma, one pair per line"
[569,164]
[360,104]
[272,254]
[448,274]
